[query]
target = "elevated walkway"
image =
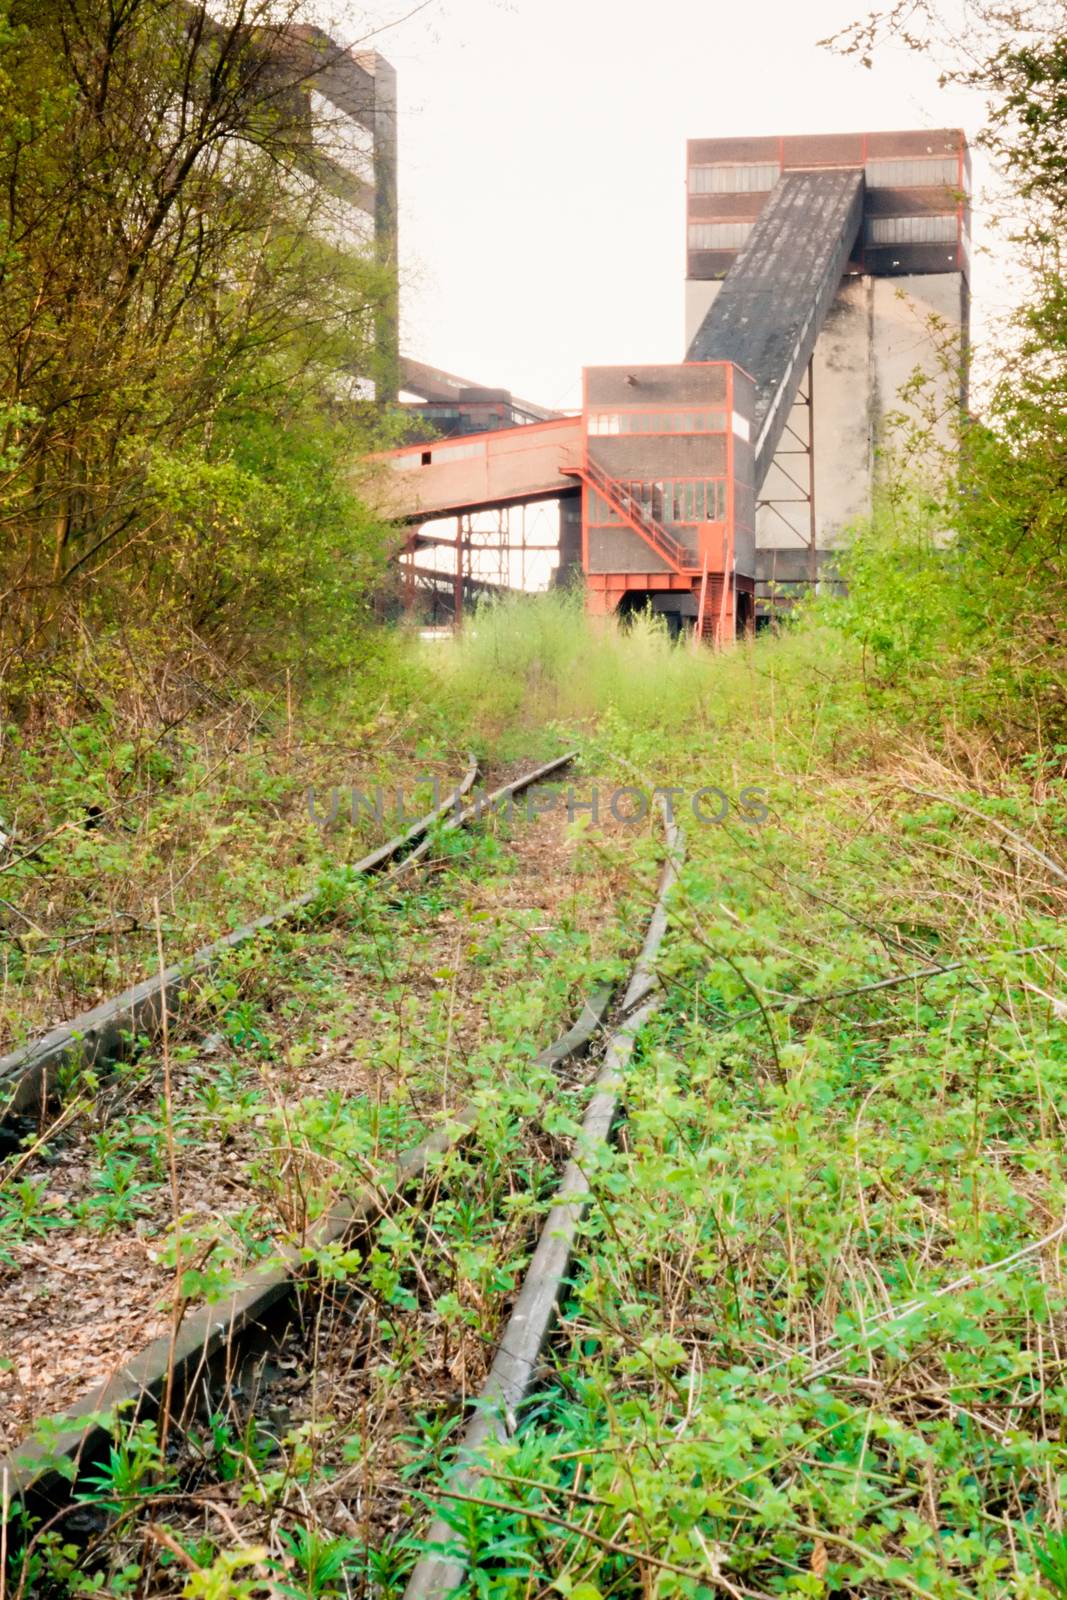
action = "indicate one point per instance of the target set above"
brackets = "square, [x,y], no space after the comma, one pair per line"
[449,477]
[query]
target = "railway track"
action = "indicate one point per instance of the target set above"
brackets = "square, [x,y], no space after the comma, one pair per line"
[216,1342]
[106,1034]
[513,1373]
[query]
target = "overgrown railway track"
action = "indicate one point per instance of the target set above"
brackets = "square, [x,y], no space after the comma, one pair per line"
[109,1031]
[513,1372]
[182,1375]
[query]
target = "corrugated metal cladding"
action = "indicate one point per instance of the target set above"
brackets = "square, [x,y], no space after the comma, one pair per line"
[910,173]
[642,386]
[911,230]
[771,307]
[636,455]
[741,179]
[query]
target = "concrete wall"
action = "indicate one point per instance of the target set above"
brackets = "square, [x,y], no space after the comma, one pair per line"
[875,336]
[570,537]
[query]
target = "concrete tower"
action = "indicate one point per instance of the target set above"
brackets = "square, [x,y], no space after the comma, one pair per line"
[908,265]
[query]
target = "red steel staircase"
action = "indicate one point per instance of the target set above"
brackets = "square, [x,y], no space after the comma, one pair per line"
[678,556]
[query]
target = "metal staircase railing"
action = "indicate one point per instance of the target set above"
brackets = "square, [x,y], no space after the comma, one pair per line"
[652,531]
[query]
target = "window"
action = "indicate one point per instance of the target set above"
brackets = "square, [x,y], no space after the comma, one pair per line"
[912,230]
[670,500]
[749,179]
[599,513]
[926,172]
[618,422]
[718,235]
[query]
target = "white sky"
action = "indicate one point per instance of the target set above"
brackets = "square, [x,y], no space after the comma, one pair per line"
[542,162]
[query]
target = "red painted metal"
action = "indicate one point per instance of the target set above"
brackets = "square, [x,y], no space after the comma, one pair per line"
[698,631]
[526,429]
[655,535]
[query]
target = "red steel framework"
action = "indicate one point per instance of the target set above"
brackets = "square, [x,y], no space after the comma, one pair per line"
[703,575]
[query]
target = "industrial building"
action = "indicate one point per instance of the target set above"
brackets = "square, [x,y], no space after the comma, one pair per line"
[711,489]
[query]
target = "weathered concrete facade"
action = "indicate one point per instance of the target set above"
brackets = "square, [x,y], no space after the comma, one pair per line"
[877,335]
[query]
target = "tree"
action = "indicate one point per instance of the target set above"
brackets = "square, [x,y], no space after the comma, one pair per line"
[1006,570]
[176,320]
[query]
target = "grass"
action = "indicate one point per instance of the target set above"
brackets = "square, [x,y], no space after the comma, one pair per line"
[814,1338]
[182,801]
[306,1065]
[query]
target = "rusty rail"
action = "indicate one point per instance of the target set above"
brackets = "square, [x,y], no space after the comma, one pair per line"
[438,1572]
[213,1335]
[106,1033]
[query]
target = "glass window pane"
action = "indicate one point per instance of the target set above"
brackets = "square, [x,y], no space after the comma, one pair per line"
[914,173]
[718,235]
[912,230]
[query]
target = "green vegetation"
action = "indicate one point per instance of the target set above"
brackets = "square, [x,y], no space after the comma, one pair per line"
[176,332]
[811,1344]
[809,1347]
[813,1337]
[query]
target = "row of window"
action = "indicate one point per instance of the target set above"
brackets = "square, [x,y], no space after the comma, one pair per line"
[718,235]
[432,454]
[757,176]
[611,422]
[913,230]
[939,229]
[678,500]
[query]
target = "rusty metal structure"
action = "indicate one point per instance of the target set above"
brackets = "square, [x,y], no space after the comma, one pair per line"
[675,482]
